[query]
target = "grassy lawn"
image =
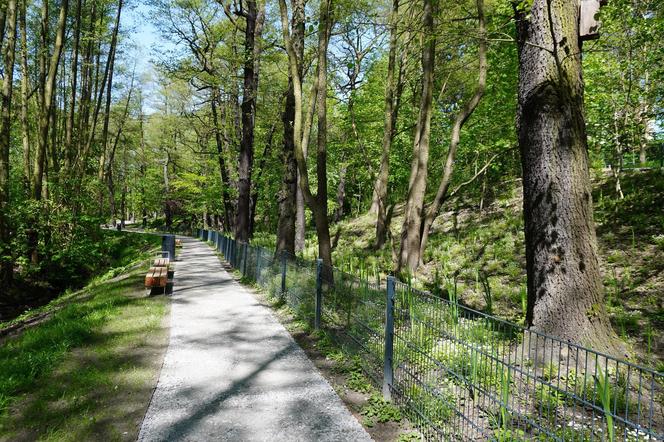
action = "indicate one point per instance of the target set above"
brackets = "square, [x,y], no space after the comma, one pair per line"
[88,370]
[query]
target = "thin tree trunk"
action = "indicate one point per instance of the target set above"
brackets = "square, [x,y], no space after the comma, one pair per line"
[261,169]
[379,202]
[341,194]
[411,230]
[461,118]
[100,88]
[109,92]
[69,129]
[47,94]
[565,291]
[3,20]
[318,203]
[6,265]
[25,86]
[108,174]
[380,187]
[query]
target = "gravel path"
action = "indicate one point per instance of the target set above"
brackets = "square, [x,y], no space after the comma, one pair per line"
[232,372]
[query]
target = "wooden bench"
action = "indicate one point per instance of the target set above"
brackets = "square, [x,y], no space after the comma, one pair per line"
[162,262]
[156,277]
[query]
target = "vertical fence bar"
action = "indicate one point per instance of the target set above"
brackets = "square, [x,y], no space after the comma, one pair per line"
[245,255]
[283,272]
[388,368]
[258,263]
[319,292]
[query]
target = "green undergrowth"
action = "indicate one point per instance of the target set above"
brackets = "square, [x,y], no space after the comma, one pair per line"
[115,254]
[65,378]
[479,256]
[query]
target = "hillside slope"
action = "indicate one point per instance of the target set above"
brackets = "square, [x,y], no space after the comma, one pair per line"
[482,254]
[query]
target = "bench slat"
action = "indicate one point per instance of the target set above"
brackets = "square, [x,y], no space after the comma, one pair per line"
[156,277]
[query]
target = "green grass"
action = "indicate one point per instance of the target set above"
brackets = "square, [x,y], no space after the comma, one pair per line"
[85,372]
[122,252]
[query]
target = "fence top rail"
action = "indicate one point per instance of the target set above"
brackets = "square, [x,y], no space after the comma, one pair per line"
[401,286]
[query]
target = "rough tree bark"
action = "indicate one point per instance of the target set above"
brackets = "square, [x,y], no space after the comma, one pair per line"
[6,269]
[565,292]
[460,119]
[223,171]
[301,129]
[47,92]
[25,86]
[379,202]
[289,185]
[410,231]
[107,115]
[69,128]
[255,187]
[250,87]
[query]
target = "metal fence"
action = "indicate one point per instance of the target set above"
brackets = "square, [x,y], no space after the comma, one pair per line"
[462,374]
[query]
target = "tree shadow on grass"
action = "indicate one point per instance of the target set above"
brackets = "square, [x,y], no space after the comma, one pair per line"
[99,383]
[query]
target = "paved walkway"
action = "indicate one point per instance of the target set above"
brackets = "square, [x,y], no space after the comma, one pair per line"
[232,372]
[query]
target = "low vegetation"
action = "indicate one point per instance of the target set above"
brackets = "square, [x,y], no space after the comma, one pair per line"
[87,370]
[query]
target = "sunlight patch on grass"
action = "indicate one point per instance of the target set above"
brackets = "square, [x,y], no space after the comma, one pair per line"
[87,372]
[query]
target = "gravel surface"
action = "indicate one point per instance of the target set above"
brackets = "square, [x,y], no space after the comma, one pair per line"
[232,372]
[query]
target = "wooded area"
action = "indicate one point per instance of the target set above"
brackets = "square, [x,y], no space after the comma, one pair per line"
[293,117]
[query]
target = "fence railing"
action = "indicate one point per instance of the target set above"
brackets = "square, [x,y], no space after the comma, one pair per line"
[461,374]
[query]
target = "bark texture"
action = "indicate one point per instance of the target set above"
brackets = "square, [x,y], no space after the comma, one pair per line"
[47,91]
[250,88]
[286,230]
[460,119]
[411,229]
[565,293]
[6,269]
[302,127]
[379,202]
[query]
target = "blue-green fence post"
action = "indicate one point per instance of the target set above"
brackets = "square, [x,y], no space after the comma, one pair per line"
[283,272]
[258,263]
[319,292]
[388,367]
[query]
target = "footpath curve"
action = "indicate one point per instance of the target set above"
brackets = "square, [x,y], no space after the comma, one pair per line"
[232,372]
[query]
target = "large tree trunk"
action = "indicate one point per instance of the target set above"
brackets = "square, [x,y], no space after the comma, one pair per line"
[565,292]
[288,198]
[460,119]
[250,88]
[319,209]
[223,171]
[379,202]
[6,269]
[411,229]
[288,192]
